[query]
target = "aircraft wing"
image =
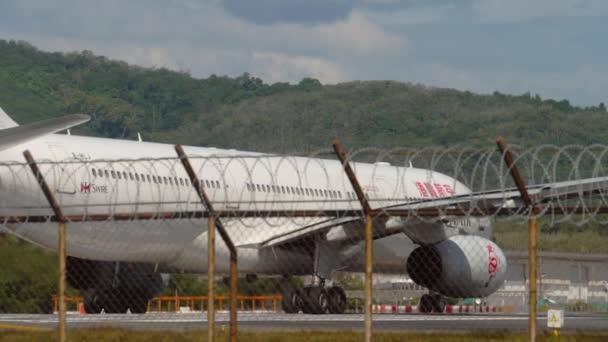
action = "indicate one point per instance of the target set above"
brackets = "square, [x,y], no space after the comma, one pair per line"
[546,193]
[16,135]
[499,198]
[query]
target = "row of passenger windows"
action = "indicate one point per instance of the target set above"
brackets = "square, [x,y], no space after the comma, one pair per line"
[294,190]
[142,177]
[215,184]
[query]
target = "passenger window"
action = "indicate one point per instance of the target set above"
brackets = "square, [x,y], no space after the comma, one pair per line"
[124,175]
[217,184]
[149,179]
[181,181]
[207,183]
[137,177]
[94,172]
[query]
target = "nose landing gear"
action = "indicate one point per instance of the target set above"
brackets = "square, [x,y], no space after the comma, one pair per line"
[432,303]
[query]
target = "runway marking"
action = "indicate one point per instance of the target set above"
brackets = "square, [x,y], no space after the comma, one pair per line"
[22,327]
[245,317]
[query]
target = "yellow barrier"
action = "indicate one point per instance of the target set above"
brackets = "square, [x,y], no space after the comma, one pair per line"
[173,303]
[68,300]
[251,303]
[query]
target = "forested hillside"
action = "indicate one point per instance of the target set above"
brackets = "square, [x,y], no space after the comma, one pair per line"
[246,113]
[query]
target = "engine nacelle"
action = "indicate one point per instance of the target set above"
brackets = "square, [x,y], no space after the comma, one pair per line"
[460,266]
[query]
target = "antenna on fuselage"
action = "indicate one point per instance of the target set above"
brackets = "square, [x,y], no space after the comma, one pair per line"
[410,164]
[139,137]
[69,133]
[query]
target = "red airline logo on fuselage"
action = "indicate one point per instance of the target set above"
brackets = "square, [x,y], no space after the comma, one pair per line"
[434,190]
[492,262]
[87,188]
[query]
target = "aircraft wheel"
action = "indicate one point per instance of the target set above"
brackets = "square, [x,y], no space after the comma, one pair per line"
[92,303]
[315,300]
[337,300]
[426,304]
[292,301]
[438,303]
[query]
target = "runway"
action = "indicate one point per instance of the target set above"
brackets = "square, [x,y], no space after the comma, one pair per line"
[280,322]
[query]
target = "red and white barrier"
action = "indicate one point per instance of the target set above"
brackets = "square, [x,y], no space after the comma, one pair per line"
[449,309]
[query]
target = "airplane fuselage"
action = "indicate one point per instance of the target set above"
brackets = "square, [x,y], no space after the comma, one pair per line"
[102,176]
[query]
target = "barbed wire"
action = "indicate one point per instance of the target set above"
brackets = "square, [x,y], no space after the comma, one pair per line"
[266,184]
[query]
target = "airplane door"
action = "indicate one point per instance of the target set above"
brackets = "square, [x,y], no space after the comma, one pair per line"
[64,172]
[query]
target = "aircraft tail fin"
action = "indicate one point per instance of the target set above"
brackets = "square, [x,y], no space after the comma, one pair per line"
[6,121]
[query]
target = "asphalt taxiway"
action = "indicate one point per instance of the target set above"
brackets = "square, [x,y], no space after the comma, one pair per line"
[281,322]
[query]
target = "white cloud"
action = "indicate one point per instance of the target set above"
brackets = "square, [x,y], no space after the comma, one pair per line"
[278,67]
[205,39]
[355,34]
[522,10]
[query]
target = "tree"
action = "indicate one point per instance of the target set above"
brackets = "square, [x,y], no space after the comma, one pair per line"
[309,84]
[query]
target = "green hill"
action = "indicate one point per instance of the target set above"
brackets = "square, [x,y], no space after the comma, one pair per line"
[244,112]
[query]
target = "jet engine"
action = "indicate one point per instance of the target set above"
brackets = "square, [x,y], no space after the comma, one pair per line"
[460,266]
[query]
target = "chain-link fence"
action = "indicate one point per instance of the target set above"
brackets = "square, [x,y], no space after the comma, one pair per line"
[448,229]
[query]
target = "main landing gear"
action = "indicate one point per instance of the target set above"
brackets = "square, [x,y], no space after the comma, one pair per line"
[315,299]
[432,303]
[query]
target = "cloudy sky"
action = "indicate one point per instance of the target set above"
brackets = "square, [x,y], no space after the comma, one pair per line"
[556,48]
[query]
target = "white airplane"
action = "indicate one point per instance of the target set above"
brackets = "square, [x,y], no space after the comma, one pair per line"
[451,256]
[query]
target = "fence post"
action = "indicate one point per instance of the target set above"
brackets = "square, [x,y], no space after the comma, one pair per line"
[213,222]
[532,234]
[61,243]
[211,278]
[369,236]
